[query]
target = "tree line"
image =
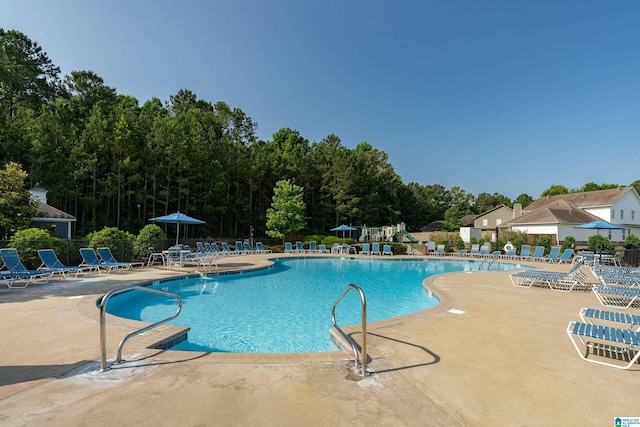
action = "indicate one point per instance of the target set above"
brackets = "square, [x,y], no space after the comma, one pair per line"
[109,161]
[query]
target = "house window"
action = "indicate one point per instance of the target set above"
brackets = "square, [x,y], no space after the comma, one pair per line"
[485,222]
[613,213]
[498,221]
[633,215]
[623,234]
[621,213]
[609,234]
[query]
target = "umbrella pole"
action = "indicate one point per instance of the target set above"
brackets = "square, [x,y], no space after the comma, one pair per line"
[177,232]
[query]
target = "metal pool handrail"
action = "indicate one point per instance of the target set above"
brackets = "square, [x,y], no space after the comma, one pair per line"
[351,341]
[103,320]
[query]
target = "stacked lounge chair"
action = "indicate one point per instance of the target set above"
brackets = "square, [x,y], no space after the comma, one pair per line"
[617,337]
[557,281]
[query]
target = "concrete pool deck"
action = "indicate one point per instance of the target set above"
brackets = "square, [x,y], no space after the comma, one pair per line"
[490,353]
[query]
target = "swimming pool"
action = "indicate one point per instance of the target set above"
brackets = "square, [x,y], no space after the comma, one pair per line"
[287,308]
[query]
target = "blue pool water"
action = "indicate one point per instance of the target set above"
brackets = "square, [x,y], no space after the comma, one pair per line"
[287,308]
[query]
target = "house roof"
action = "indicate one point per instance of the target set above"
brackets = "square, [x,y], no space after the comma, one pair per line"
[494,209]
[588,199]
[467,220]
[558,211]
[45,211]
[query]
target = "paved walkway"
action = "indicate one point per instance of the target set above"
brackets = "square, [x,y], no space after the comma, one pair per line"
[501,357]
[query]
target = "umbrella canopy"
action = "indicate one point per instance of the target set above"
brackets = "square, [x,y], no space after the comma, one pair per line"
[177,218]
[600,225]
[343,228]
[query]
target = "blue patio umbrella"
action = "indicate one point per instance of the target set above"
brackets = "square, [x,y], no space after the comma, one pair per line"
[343,228]
[600,225]
[177,218]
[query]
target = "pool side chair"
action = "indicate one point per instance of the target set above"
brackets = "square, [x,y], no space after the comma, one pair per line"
[386,250]
[440,251]
[154,256]
[107,257]
[461,252]
[604,339]
[366,249]
[227,250]
[554,255]
[566,256]
[17,271]
[617,296]
[51,262]
[375,249]
[247,248]
[299,248]
[475,250]
[288,248]
[525,252]
[483,252]
[323,249]
[313,249]
[90,259]
[240,248]
[538,253]
[509,254]
[261,250]
[632,321]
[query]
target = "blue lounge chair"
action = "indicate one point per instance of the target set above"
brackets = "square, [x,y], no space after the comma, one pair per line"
[51,262]
[439,250]
[554,255]
[288,248]
[313,249]
[484,251]
[261,250]
[475,250]
[227,250]
[557,281]
[375,249]
[618,296]
[299,248]
[632,320]
[240,248]
[386,250]
[538,253]
[247,248]
[365,249]
[566,256]
[323,249]
[525,252]
[605,339]
[107,257]
[155,255]
[17,271]
[90,259]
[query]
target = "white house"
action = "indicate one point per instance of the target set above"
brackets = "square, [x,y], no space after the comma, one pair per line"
[58,221]
[557,216]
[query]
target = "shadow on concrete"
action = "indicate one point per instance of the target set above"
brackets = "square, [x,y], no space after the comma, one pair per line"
[434,358]
[22,374]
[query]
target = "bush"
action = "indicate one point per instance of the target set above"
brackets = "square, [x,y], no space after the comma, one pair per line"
[148,234]
[568,243]
[330,240]
[599,243]
[632,242]
[28,241]
[459,243]
[544,241]
[120,242]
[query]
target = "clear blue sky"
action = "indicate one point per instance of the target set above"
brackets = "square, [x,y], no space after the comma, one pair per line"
[491,96]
